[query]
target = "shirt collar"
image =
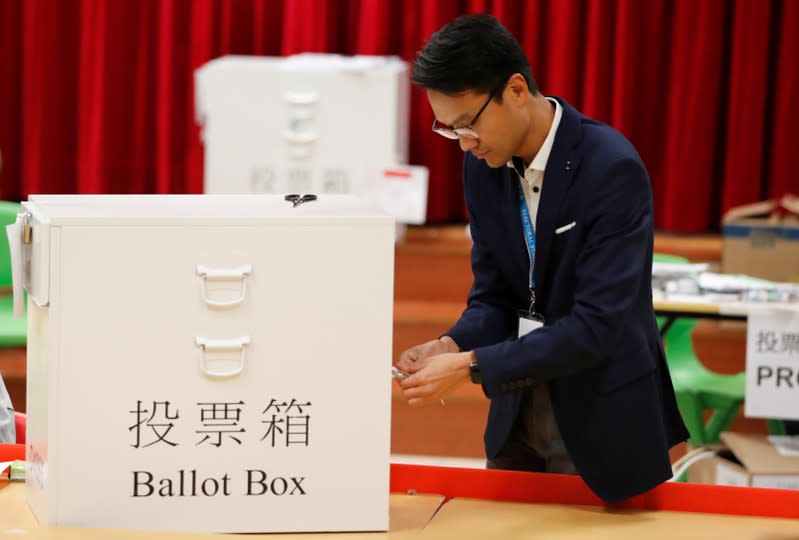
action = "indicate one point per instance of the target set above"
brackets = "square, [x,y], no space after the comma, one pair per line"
[539,162]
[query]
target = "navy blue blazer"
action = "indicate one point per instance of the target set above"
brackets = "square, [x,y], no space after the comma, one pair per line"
[599,350]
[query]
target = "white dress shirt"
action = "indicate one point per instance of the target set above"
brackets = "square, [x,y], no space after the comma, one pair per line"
[534,174]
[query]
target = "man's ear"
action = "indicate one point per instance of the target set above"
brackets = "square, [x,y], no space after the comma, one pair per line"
[518,90]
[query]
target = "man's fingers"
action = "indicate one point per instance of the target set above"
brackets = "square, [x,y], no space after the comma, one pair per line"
[416,402]
[434,348]
[420,394]
[420,374]
[421,401]
[407,365]
[415,358]
[409,382]
[413,389]
[408,360]
[404,359]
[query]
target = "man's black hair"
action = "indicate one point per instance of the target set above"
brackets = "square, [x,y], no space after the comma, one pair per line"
[473,52]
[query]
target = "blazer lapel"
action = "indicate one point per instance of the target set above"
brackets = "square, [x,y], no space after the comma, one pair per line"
[561,166]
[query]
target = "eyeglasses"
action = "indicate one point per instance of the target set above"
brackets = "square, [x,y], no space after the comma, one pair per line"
[467,131]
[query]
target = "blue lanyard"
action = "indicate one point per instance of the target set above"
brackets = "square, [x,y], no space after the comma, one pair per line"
[529,237]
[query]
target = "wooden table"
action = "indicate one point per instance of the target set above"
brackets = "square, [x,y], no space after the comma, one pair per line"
[408,516]
[672,309]
[483,504]
[463,519]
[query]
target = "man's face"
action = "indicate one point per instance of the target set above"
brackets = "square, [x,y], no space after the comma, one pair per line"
[499,131]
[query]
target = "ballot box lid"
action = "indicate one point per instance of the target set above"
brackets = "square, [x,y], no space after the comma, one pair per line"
[195,209]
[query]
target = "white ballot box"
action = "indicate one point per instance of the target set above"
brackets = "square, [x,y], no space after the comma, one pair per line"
[208,362]
[320,123]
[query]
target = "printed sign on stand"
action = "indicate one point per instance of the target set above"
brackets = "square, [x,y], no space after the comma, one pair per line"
[772,365]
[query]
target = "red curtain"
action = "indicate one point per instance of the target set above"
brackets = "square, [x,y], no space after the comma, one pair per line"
[96,96]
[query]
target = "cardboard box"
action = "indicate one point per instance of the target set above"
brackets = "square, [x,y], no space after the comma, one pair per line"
[748,460]
[762,239]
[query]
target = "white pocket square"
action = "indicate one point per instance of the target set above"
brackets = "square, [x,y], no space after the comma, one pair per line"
[561,230]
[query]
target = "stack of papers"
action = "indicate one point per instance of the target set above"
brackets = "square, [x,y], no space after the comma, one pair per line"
[692,282]
[733,283]
[661,269]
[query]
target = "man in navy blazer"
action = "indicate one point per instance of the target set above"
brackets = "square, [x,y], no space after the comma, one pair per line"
[559,328]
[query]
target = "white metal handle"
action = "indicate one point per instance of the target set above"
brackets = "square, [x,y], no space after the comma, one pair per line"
[300,98]
[221,346]
[300,137]
[17,240]
[239,273]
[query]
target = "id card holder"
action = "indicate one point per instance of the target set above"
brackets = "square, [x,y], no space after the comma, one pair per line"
[529,322]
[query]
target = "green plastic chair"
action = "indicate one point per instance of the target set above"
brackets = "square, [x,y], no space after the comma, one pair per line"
[697,388]
[668,258]
[13,332]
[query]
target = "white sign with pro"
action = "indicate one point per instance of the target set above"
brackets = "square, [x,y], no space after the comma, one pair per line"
[772,365]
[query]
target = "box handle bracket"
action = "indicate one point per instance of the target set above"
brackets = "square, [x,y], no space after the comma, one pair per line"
[239,273]
[218,347]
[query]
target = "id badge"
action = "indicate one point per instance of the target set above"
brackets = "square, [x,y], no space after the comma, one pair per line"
[529,322]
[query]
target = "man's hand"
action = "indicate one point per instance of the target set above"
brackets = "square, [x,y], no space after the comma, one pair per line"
[439,375]
[415,358]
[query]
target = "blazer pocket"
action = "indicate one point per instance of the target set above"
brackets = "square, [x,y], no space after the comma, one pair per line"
[565,228]
[618,381]
[635,362]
